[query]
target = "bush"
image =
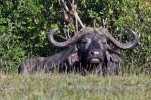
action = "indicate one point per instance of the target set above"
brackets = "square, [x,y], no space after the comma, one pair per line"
[24,25]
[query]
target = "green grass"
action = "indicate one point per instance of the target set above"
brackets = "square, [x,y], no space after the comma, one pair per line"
[74,87]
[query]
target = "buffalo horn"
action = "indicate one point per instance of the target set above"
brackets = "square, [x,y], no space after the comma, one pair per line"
[120,45]
[70,41]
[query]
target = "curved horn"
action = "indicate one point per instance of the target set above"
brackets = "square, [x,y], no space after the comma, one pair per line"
[70,41]
[120,45]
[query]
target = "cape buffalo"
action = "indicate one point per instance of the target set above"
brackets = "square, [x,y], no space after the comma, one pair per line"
[87,51]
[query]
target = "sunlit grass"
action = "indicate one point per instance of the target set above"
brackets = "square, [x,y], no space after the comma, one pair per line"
[74,87]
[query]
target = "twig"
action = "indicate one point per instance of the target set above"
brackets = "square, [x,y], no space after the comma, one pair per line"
[104,22]
[72,11]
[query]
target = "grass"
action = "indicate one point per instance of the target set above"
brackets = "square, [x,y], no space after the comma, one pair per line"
[74,87]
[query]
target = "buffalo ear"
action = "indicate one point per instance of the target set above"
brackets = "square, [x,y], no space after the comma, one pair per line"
[73,57]
[113,56]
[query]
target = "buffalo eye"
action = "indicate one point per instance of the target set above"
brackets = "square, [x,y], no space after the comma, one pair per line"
[102,42]
[84,41]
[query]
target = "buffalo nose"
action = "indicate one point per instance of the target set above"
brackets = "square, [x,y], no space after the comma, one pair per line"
[95,53]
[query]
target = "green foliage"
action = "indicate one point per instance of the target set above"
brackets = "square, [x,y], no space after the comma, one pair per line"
[23,30]
[24,25]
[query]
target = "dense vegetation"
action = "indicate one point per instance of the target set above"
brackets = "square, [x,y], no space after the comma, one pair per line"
[24,25]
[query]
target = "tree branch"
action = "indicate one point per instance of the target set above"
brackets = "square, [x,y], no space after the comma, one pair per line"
[72,11]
